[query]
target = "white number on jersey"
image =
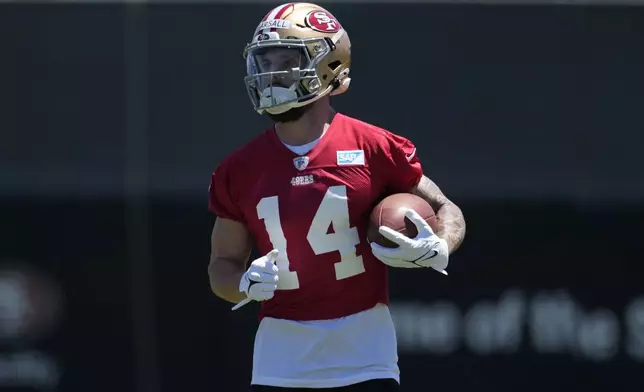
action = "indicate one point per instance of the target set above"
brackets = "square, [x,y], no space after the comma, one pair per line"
[333,211]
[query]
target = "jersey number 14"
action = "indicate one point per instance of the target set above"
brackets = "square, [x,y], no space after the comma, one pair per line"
[333,210]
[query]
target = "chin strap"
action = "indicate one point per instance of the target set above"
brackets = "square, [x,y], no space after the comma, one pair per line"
[343,81]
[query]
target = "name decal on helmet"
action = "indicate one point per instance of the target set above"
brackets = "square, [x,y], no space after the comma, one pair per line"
[322,21]
[274,24]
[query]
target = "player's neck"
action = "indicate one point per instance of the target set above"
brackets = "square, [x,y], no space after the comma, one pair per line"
[306,129]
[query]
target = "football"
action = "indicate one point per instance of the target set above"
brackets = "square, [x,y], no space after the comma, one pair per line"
[391,212]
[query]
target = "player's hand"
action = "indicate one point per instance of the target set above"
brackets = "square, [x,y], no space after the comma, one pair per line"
[260,281]
[425,250]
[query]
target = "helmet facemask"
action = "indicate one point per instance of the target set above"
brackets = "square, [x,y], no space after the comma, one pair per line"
[281,74]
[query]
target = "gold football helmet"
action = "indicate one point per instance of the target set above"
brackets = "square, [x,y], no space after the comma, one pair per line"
[299,54]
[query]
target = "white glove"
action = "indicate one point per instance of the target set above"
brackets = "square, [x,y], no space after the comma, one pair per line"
[260,281]
[425,250]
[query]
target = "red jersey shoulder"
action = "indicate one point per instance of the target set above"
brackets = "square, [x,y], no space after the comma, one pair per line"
[375,139]
[227,179]
[394,155]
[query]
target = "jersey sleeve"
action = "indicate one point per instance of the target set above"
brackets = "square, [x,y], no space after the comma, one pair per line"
[220,194]
[402,165]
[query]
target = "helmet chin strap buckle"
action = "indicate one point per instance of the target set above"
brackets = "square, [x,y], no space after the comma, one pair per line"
[343,81]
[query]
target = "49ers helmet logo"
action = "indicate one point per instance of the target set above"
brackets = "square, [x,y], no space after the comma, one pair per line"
[322,21]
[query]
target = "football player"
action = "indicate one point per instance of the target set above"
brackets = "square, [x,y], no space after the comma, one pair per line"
[302,192]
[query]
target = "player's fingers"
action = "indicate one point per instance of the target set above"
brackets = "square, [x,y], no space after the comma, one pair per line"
[268,258]
[270,277]
[254,276]
[263,277]
[266,287]
[271,256]
[394,236]
[262,291]
[382,252]
[269,268]
[421,225]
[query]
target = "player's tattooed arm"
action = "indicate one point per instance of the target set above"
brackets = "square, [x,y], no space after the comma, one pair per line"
[449,215]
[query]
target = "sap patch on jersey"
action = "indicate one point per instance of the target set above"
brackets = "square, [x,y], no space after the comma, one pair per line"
[352,157]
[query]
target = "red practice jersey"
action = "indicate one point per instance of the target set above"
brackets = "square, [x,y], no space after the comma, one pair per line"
[315,210]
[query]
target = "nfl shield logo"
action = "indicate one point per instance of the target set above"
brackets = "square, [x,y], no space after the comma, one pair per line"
[301,162]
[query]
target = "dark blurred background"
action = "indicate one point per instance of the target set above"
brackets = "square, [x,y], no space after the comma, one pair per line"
[112,117]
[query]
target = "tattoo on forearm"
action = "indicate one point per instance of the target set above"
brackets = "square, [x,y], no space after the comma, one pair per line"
[449,215]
